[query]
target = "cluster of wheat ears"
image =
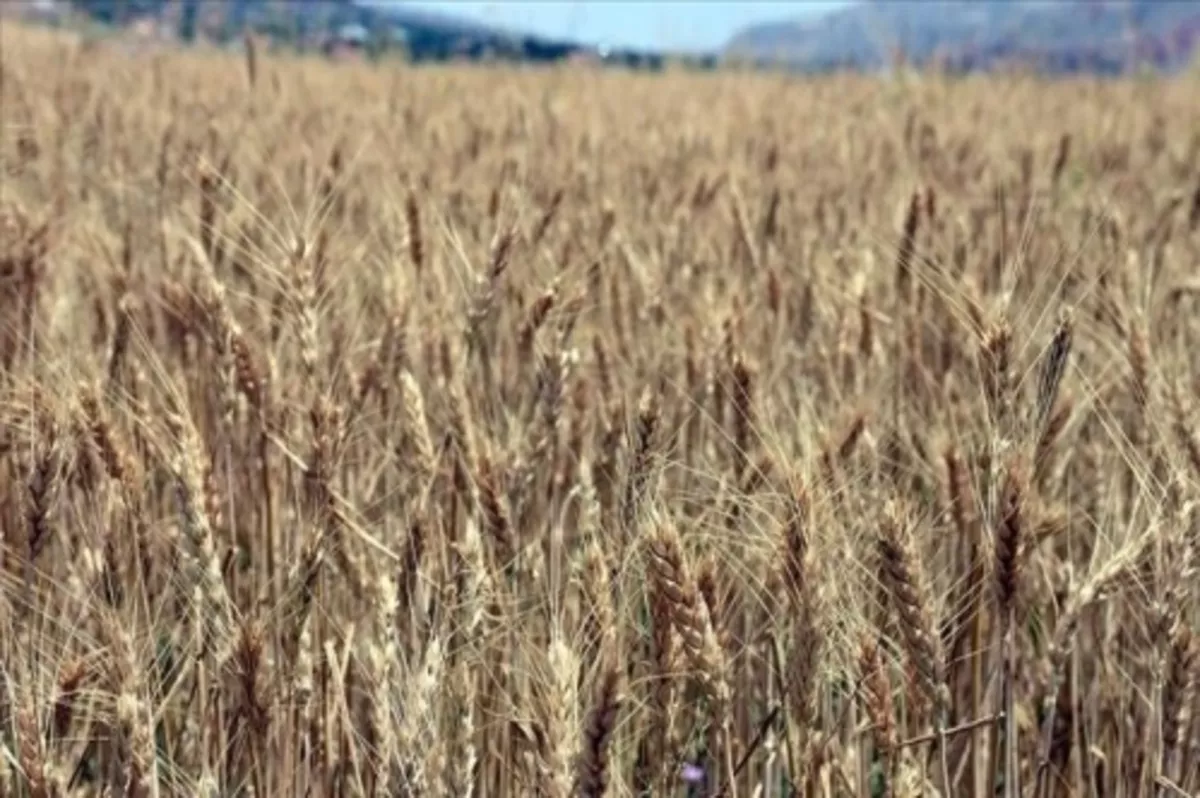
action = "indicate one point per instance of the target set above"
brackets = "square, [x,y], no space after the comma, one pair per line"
[390,431]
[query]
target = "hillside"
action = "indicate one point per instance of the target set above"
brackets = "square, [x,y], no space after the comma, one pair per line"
[302,21]
[1062,36]
[425,35]
[1099,36]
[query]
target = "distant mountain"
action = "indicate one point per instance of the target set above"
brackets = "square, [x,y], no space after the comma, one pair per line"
[1084,35]
[1098,36]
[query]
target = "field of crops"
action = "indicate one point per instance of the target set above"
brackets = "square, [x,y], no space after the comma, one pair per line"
[380,431]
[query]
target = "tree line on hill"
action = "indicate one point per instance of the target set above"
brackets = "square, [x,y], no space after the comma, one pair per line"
[1076,36]
[378,30]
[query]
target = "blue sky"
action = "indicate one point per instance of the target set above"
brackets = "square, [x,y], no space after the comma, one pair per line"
[629,23]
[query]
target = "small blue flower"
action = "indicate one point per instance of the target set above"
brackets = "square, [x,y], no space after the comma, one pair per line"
[693,774]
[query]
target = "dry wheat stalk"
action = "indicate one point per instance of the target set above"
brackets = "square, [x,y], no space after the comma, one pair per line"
[900,572]
[232,352]
[216,611]
[593,778]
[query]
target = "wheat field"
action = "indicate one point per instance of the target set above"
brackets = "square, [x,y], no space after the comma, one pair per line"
[449,431]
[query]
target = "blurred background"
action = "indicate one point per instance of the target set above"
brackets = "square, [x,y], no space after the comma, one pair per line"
[1101,36]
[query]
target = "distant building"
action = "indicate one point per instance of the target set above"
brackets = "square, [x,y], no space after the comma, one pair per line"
[352,35]
[44,11]
[347,43]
